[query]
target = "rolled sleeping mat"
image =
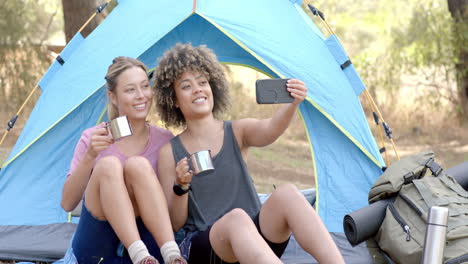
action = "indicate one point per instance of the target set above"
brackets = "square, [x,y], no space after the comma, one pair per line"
[362,224]
[460,174]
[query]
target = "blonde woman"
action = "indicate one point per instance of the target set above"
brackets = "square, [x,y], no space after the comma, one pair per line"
[123,199]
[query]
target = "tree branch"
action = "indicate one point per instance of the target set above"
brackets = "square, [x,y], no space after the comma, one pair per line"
[46,33]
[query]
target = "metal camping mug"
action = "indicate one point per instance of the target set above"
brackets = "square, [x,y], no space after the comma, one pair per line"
[434,241]
[119,127]
[201,162]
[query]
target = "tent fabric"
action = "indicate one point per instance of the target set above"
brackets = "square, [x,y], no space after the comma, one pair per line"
[30,189]
[341,57]
[332,193]
[345,156]
[64,55]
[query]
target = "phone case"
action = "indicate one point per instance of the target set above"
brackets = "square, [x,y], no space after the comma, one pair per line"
[272,91]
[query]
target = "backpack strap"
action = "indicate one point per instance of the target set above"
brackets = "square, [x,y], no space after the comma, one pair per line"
[438,200]
[435,168]
[458,211]
[430,164]
[450,182]
[409,177]
[455,222]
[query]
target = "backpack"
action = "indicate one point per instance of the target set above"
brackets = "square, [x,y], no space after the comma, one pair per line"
[417,182]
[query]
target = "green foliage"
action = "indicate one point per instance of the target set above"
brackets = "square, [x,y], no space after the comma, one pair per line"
[424,49]
[25,26]
[427,38]
[400,44]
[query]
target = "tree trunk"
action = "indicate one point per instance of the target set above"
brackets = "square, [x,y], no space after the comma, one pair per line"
[459,12]
[76,13]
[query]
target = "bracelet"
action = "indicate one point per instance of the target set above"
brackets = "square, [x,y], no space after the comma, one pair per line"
[179,190]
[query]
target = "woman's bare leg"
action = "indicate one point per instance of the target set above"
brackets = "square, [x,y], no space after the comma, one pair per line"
[286,211]
[234,237]
[106,197]
[144,188]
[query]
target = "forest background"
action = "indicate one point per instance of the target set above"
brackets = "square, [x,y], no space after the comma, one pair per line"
[412,56]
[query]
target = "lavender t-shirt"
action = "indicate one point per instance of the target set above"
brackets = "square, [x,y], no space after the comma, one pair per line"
[157,138]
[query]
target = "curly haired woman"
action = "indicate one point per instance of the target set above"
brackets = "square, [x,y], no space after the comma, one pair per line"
[221,212]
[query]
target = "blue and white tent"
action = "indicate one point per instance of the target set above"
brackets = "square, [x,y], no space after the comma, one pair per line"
[272,36]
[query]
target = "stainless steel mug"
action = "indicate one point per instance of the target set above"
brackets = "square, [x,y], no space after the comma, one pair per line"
[434,241]
[119,127]
[201,162]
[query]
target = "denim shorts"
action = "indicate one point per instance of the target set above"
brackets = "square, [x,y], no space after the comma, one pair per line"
[96,242]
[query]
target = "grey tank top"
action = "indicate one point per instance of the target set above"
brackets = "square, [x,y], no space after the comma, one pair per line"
[217,193]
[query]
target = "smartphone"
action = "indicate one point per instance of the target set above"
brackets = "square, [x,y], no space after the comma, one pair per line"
[272,91]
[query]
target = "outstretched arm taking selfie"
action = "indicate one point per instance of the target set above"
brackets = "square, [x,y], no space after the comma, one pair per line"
[262,132]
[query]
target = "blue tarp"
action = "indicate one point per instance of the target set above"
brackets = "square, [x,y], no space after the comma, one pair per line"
[275,37]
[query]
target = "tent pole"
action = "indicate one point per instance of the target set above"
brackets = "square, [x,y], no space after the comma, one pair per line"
[369,97]
[87,22]
[11,123]
[98,10]
[374,106]
[387,161]
[382,140]
[3,137]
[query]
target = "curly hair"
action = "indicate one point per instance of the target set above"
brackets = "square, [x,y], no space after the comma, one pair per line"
[176,61]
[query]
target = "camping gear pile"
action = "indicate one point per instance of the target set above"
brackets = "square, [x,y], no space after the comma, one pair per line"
[400,202]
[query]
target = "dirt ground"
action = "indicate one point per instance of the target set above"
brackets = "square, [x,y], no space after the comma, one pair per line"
[450,150]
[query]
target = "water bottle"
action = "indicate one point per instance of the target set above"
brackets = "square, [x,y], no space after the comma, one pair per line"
[434,241]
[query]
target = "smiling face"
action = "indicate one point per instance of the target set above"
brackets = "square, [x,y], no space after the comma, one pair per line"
[193,95]
[174,65]
[132,95]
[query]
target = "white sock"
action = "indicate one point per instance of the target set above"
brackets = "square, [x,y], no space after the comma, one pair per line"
[137,251]
[170,251]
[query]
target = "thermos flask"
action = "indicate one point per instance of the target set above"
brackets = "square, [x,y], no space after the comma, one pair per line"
[434,241]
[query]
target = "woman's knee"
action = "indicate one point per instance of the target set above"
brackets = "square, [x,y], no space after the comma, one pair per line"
[286,192]
[238,217]
[108,168]
[137,164]
[232,225]
[137,168]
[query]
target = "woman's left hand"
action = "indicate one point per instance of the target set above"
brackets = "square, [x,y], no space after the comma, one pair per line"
[297,89]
